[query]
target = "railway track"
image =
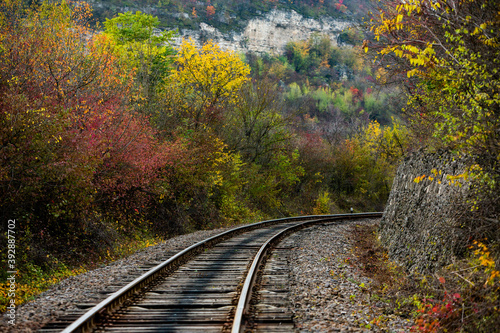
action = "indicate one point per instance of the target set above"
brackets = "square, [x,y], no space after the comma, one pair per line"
[222,284]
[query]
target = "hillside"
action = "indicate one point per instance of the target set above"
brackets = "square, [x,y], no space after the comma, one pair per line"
[256,26]
[227,15]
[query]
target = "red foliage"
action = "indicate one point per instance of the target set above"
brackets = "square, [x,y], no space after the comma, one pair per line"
[434,312]
[70,140]
[357,95]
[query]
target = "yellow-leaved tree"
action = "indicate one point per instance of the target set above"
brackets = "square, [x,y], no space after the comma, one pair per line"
[205,80]
[447,54]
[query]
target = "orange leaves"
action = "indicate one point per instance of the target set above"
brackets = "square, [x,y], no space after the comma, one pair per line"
[419,179]
[210,11]
[484,259]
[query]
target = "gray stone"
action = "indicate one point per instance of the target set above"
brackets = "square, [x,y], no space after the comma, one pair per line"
[419,226]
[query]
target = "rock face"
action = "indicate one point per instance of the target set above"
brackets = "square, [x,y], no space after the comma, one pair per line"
[419,226]
[269,33]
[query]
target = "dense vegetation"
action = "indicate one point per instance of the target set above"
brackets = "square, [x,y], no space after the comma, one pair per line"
[446,55]
[226,15]
[116,138]
[338,120]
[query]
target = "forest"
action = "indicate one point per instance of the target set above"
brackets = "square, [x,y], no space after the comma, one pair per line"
[116,137]
[114,140]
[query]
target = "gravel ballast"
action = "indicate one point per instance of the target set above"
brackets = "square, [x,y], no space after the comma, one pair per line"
[85,288]
[326,292]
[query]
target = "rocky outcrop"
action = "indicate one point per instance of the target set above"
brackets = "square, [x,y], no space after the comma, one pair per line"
[260,32]
[269,33]
[419,226]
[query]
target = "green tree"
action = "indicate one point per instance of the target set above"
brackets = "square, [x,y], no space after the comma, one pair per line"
[257,128]
[144,51]
[256,125]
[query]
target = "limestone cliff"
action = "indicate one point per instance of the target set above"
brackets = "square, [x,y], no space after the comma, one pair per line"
[269,33]
[261,32]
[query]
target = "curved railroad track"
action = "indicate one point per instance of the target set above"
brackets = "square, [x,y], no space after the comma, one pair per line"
[221,284]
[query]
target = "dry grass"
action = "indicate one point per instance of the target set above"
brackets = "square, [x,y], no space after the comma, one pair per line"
[463,297]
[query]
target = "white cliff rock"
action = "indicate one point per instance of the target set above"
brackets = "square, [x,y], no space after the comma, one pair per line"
[269,33]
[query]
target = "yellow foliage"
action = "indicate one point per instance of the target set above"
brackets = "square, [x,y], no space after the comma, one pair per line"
[322,204]
[389,142]
[27,287]
[204,82]
[419,179]
[209,72]
[484,259]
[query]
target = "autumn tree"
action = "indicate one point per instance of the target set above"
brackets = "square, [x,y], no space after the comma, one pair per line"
[204,81]
[69,143]
[449,52]
[143,51]
[210,11]
[258,129]
[297,54]
[256,125]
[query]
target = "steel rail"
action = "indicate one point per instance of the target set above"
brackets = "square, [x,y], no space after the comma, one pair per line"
[88,320]
[246,291]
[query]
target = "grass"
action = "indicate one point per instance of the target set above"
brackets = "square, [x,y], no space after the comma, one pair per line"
[462,297]
[33,280]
